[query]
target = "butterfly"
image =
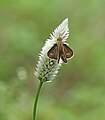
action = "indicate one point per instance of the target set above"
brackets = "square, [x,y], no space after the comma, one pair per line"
[60,50]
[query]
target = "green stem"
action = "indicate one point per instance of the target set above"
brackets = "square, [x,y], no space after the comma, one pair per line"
[36,100]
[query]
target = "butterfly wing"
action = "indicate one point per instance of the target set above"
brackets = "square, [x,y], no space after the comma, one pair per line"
[68,51]
[53,52]
[63,58]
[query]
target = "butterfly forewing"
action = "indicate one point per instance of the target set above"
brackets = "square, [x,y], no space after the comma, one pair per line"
[68,51]
[53,52]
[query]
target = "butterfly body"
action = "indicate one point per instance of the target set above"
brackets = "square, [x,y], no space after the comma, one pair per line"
[60,50]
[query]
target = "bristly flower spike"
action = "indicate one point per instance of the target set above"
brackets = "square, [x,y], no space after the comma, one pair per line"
[47,68]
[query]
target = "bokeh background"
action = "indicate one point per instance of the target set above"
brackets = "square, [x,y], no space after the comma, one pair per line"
[78,92]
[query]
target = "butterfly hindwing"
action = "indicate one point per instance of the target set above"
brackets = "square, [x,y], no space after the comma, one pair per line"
[63,58]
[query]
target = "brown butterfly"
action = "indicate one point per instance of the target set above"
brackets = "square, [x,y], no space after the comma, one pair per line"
[60,50]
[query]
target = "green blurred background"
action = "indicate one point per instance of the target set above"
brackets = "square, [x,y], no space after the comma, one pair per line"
[78,92]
